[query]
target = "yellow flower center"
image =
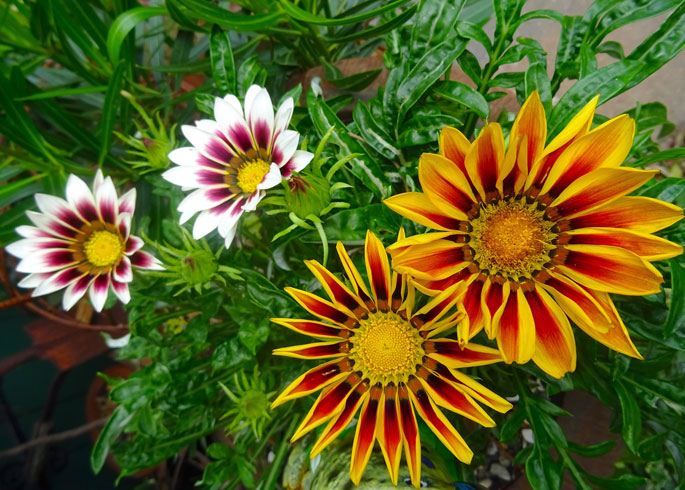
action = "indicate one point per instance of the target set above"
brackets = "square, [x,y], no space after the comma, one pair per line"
[251,174]
[511,238]
[103,248]
[386,348]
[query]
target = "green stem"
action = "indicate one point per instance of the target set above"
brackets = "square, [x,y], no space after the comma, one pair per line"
[281,452]
[324,240]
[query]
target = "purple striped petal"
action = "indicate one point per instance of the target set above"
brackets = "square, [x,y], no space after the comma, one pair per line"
[107,201]
[124,225]
[51,225]
[260,117]
[25,247]
[144,260]
[123,272]
[33,280]
[57,281]
[253,200]
[98,291]
[75,292]
[47,261]
[121,291]
[81,198]
[233,125]
[59,209]
[283,115]
[271,179]
[127,202]
[31,232]
[133,244]
[230,216]
[212,127]
[208,145]
[297,163]
[284,147]
[194,176]
[205,198]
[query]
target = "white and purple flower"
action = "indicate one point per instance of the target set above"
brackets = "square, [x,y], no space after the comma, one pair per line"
[82,244]
[234,160]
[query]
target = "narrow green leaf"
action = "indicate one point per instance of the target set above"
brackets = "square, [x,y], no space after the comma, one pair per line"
[434,22]
[221,55]
[109,110]
[594,450]
[374,31]
[463,94]
[475,32]
[423,128]
[542,472]
[632,418]
[372,133]
[63,92]
[667,190]
[676,313]
[358,81]
[660,156]
[124,24]
[211,13]
[536,78]
[115,425]
[302,15]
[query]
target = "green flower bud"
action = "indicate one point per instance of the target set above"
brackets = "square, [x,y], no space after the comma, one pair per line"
[307,195]
[198,267]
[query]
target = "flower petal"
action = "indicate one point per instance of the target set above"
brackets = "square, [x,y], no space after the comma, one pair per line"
[81,198]
[454,146]
[312,328]
[33,280]
[208,144]
[610,269]
[388,431]
[121,291]
[336,290]
[455,356]
[107,201]
[144,260]
[531,123]
[555,346]
[365,435]
[205,198]
[233,125]
[123,271]
[314,380]
[410,435]
[297,163]
[260,117]
[271,179]
[493,299]
[599,187]
[284,147]
[57,281]
[417,207]
[642,214]
[59,209]
[647,246]
[378,270]
[27,246]
[283,115]
[515,329]
[75,291]
[446,186]
[342,420]
[127,202]
[485,160]
[47,261]
[320,307]
[353,274]
[315,350]
[98,291]
[432,261]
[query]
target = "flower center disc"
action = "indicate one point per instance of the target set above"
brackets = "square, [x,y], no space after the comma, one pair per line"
[251,174]
[511,238]
[103,248]
[386,348]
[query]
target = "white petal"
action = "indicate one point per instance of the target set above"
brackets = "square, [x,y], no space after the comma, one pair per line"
[208,125]
[57,281]
[46,261]
[228,239]
[253,200]
[283,115]
[77,190]
[54,206]
[124,224]
[107,201]
[184,156]
[98,292]
[230,218]
[200,200]
[233,100]
[205,223]
[250,96]
[121,291]
[133,244]
[30,231]
[127,202]
[261,119]
[97,181]
[185,176]
[50,225]
[272,178]
[75,292]
[185,216]
[209,145]
[33,280]
[123,271]
[27,246]
[300,160]
[285,146]
[233,125]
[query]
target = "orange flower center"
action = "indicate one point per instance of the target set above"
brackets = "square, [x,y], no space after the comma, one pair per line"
[251,174]
[511,238]
[386,348]
[103,248]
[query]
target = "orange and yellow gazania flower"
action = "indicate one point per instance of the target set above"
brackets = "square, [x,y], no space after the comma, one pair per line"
[541,233]
[386,363]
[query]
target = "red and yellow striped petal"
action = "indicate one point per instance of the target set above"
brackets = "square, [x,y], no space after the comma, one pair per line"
[438,423]
[485,160]
[329,403]
[454,146]
[515,329]
[314,380]
[336,290]
[493,299]
[410,435]
[342,420]
[455,356]
[616,338]
[313,328]
[606,146]
[365,435]
[417,207]
[452,398]
[432,311]
[445,185]
[321,308]
[475,317]
[531,124]
[480,392]
[388,431]
[353,274]
[642,214]
[599,187]
[378,270]
[577,303]
[315,350]
[647,246]
[555,346]
[432,261]
[610,269]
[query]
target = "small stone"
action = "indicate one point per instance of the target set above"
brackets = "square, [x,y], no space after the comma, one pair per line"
[504,460]
[485,483]
[270,457]
[528,436]
[500,472]
[513,399]
[492,449]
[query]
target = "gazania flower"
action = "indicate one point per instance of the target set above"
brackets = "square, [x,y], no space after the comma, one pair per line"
[540,233]
[81,244]
[386,364]
[234,159]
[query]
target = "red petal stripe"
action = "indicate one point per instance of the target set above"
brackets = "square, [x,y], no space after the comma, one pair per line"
[365,435]
[337,425]
[410,431]
[337,291]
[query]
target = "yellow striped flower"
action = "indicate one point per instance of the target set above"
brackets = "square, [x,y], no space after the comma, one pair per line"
[385,363]
[540,233]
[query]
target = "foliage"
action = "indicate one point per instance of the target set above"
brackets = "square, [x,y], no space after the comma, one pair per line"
[80,79]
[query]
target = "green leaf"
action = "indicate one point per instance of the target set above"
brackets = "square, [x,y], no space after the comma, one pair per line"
[373,31]
[618,14]
[612,48]
[213,14]
[463,94]
[660,47]
[219,451]
[250,72]
[572,34]
[542,472]
[356,82]
[372,133]
[632,418]
[223,66]
[475,32]
[427,71]
[302,15]
[588,61]
[351,225]
[536,78]
[667,190]
[62,92]
[115,425]
[470,65]
[124,24]
[594,450]
[109,110]
[676,313]
[541,14]
[433,23]
[423,128]
[608,82]
[623,482]
[513,424]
